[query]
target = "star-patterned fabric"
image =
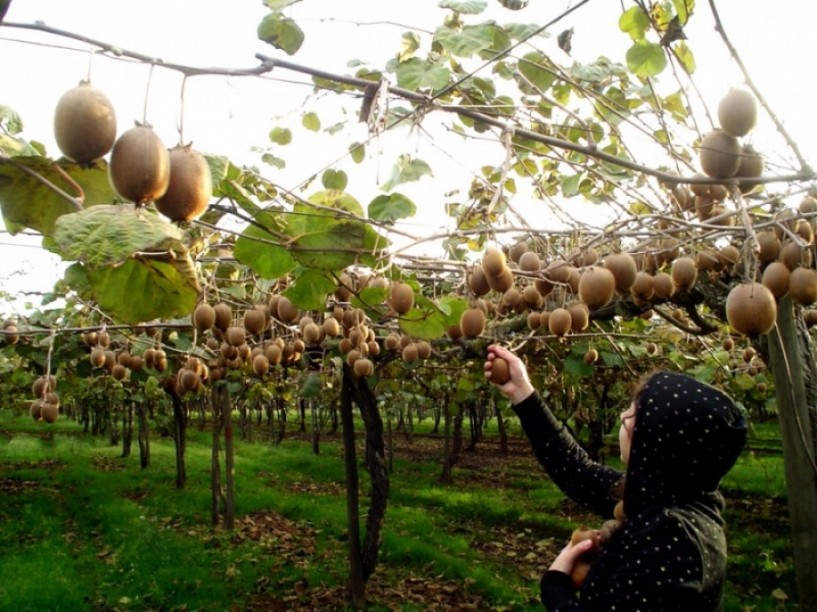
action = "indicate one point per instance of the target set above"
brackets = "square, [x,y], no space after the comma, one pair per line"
[670,552]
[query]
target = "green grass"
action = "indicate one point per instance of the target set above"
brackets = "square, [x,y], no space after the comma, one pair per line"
[82,528]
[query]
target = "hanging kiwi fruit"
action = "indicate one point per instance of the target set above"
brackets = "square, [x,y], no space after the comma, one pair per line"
[84,124]
[190,187]
[140,166]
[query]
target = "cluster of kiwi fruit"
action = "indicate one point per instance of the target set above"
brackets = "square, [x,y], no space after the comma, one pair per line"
[600,537]
[119,363]
[786,258]
[46,403]
[141,168]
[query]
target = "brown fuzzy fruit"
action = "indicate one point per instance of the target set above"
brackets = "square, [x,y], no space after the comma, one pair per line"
[559,322]
[529,262]
[494,262]
[423,349]
[769,245]
[98,357]
[719,154]
[643,286]
[190,187]
[472,322]
[140,166]
[794,255]
[401,298]
[331,327]
[500,371]
[597,286]
[392,342]
[684,273]
[224,316]
[624,269]
[503,282]
[751,166]
[803,286]
[776,279]
[737,112]
[204,317]
[84,123]
[478,282]
[662,285]
[579,316]
[312,333]
[260,364]
[49,412]
[363,367]
[410,353]
[43,385]
[255,321]
[287,311]
[235,336]
[751,309]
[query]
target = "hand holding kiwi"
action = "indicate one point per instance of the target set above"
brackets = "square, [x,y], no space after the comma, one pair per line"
[505,369]
[599,537]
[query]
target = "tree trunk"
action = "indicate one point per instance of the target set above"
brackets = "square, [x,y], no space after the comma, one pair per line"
[229,459]
[445,477]
[313,415]
[409,425]
[179,439]
[144,435]
[503,432]
[282,419]
[357,586]
[215,463]
[127,428]
[375,465]
[302,415]
[789,349]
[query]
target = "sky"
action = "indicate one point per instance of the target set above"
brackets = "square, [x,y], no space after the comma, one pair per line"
[233,115]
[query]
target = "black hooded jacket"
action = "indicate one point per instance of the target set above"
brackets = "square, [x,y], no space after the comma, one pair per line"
[670,552]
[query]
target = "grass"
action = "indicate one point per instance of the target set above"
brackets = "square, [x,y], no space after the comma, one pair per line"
[83,529]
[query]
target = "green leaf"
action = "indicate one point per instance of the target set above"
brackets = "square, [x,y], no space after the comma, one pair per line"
[332,246]
[10,120]
[269,261]
[634,22]
[416,73]
[612,359]
[683,8]
[464,7]
[391,207]
[524,31]
[423,324]
[311,385]
[686,56]
[410,43]
[406,170]
[310,289]
[281,136]
[646,59]
[332,198]
[334,179]
[533,68]
[27,202]
[218,164]
[358,151]
[281,32]
[467,41]
[570,184]
[311,122]
[122,291]
[110,234]
[575,365]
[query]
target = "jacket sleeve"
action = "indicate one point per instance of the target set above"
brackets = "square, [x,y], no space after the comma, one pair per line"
[566,462]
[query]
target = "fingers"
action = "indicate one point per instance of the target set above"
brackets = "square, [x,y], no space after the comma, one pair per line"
[567,558]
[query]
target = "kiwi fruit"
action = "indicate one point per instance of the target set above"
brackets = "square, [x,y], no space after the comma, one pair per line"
[662,285]
[501,283]
[140,166]
[624,269]
[737,112]
[494,262]
[684,273]
[190,187]
[331,327]
[98,357]
[363,367]
[794,255]
[255,321]
[643,286]
[518,249]
[43,385]
[410,353]
[803,286]
[235,336]
[423,349]
[472,322]
[808,205]
[500,371]
[529,262]
[591,356]
[287,311]
[84,124]
[204,317]
[720,154]
[751,308]
[312,333]
[392,342]
[579,316]
[260,364]
[776,279]
[558,271]
[769,246]
[49,412]
[559,321]
[224,316]
[118,371]
[531,297]
[651,348]
[401,298]
[273,353]
[477,281]
[343,291]
[597,286]
[751,166]
[534,320]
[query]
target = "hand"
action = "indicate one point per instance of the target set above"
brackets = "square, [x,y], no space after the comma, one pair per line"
[518,387]
[567,559]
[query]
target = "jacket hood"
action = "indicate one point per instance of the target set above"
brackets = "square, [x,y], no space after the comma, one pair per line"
[687,436]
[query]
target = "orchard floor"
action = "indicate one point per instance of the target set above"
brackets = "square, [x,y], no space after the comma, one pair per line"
[109,536]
